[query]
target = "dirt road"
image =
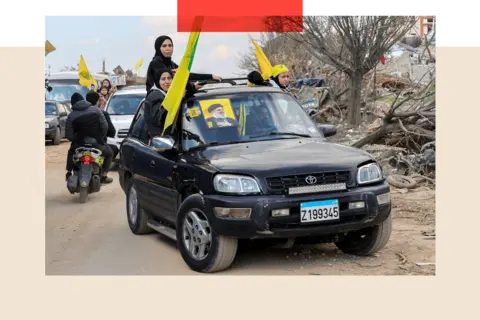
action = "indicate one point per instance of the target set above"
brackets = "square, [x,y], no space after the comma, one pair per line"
[94,239]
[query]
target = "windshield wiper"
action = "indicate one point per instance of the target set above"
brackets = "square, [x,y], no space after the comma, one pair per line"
[281,134]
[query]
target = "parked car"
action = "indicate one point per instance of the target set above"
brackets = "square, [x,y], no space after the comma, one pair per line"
[312,82]
[266,173]
[55,119]
[122,106]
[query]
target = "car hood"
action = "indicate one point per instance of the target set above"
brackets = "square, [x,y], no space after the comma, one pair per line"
[50,118]
[121,122]
[282,157]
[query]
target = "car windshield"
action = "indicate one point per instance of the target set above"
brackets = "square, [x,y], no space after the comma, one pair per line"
[124,104]
[244,117]
[50,109]
[65,92]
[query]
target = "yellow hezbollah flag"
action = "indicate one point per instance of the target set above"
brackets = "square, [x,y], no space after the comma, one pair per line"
[86,78]
[49,48]
[263,63]
[138,65]
[177,88]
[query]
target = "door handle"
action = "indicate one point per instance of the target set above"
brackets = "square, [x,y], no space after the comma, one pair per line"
[152,163]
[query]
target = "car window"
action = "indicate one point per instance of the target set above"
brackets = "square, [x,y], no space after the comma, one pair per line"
[124,104]
[63,92]
[50,109]
[242,117]
[139,126]
[62,108]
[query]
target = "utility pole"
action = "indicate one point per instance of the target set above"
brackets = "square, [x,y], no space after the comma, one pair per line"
[103,66]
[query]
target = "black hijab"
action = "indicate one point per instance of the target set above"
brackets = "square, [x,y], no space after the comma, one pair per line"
[158,75]
[158,53]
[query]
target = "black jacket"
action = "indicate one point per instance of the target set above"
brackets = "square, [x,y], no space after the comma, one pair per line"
[158,62]
[84,121]
[111,128]
[155,114]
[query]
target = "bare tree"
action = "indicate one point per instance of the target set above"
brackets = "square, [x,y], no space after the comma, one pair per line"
[283,49]
[353,45]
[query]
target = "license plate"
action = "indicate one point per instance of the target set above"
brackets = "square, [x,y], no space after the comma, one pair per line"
[315,211]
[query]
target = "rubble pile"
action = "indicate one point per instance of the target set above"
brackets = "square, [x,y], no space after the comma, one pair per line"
[398,113]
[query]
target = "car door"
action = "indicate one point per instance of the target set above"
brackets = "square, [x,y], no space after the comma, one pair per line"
[62,117]
[130,149]
[162,190]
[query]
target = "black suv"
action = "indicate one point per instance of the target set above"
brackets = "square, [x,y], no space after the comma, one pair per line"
[248,163]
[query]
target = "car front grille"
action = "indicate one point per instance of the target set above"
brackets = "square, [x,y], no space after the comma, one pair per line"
[281,185]
[122,133]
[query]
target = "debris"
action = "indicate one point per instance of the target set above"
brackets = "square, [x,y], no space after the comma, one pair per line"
[402,257]
[421,264]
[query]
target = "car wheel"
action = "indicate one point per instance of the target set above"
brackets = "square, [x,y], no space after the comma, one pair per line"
[367,241]
[57,138]
[202,249]
[136,216]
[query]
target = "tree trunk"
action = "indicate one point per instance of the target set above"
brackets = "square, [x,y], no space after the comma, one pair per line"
[355,89]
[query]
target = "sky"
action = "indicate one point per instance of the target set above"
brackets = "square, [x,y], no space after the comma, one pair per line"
[124,40]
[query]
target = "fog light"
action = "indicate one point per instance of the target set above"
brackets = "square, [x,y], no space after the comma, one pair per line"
[235,213]
[384,198]
[356,205]
[280,212]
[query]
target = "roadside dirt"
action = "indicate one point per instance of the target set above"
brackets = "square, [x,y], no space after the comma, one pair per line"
[94,238]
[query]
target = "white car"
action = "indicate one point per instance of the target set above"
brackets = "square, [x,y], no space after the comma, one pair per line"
[122,107]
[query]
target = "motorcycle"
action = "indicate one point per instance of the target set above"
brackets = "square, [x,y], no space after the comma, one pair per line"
[87,172]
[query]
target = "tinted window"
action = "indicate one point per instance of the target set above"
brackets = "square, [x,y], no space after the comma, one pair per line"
[50,109]
[124,104]
[242,116]
[139,126]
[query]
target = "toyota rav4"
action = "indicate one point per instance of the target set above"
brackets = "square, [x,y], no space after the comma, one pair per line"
[249,163]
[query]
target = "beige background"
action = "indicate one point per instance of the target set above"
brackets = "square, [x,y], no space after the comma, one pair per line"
[29,294]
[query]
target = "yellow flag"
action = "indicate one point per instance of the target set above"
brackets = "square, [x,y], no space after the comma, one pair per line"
[263,63]
[85,78]
[176,91]
[138,65]
[49,48]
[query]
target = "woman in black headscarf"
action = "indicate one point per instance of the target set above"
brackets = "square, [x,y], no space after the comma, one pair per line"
[163,59]
[154,112]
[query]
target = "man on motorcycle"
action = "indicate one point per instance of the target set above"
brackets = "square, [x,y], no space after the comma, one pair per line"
[93,97]
[87,124]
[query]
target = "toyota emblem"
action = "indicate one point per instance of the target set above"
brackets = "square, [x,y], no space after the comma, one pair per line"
[311,180]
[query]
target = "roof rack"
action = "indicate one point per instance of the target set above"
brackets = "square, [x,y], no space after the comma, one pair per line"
[218,85]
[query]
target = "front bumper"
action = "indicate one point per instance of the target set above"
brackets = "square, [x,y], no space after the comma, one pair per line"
[50,133]
[261,224]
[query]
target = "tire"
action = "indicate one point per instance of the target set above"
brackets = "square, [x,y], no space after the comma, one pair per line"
[58,137]
[221,250]
[137,219]
[83,194]
[375,239]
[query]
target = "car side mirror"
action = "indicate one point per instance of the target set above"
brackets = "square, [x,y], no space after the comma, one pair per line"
[63,114]
[49,89]
[328,130]
[161,144]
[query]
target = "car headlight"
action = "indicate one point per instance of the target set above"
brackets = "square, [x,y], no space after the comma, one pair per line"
[228,183]
[47,125]
[369,173]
